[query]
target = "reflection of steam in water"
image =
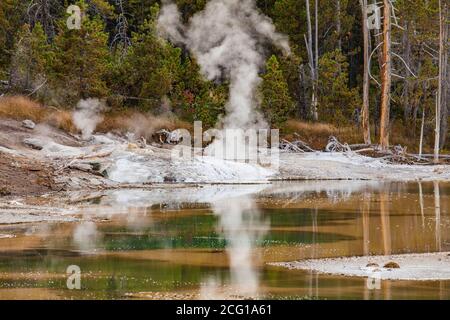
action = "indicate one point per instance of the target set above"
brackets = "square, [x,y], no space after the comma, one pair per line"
[86,236]
[242,225]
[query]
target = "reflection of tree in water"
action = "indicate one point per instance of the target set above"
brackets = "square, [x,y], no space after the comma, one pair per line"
[437,214]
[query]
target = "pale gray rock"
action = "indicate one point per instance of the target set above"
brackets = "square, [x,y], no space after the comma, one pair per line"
[28,124]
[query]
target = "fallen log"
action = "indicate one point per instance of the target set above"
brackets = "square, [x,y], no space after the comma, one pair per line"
[335,146]
[290,147]
[362,146]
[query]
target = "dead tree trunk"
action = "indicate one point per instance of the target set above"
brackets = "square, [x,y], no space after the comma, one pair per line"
[339,24]
[312,63]
[422,126]
[316,80]
[407,106]
[446,81]
[386,77]
[437,140]
[366,84]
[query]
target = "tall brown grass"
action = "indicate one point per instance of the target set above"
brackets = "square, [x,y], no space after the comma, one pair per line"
[317,134]
[142,124]
[20,108]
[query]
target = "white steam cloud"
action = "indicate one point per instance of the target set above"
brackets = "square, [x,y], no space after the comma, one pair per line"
[228,39]
[87,116]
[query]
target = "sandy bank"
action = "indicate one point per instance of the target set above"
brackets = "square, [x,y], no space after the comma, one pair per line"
[420,267]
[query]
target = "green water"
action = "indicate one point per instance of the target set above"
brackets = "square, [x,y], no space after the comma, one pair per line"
[217,241]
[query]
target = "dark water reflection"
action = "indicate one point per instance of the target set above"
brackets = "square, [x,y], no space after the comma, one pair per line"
[217,241]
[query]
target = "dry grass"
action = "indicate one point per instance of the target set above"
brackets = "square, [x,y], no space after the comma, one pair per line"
[142,124]
[317,134]
[20,108]
[61,119]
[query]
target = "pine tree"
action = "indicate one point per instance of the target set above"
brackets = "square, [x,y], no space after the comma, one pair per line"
[337,103]
[81,61]
[11,13]
[151,68]
[30,57]
[276,102]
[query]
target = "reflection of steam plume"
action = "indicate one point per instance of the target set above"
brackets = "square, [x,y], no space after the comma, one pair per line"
[85,236]
[227,39]
[242,226]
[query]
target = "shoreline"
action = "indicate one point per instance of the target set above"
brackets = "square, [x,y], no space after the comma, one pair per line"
[412,267]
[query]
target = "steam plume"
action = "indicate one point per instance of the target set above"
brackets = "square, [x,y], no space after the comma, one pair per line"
[227,38]
[87,116]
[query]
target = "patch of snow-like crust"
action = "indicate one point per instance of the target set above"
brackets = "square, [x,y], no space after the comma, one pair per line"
[420,267]
[16,212]
[127,163]
[351,166]
[130,168]
[22,217]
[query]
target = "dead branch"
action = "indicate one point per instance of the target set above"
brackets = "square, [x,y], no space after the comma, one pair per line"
[290,147]
[335,146]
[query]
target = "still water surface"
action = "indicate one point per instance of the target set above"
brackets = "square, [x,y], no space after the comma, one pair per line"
[216,242]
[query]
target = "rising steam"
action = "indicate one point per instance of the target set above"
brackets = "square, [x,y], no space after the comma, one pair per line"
[228,39]
[87,116]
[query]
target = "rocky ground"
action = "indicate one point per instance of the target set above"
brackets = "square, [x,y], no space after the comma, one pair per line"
[20,176]
[37,159]
[25,171]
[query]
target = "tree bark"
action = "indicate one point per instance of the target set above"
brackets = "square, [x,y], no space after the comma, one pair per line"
[316,42]
[446,81]
[316,76]
[407,105]
[421,132]
[386,77]
[366,81]
[437,141]
[312,63]
[339,24]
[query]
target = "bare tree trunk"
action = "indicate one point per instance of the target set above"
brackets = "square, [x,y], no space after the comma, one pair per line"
[446,80]
[312,63]
[437,130]
[386,77]
[310,42]
[316,80]
[437,141]
[339,23]
[407,107]
[421,133]
[366,84]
